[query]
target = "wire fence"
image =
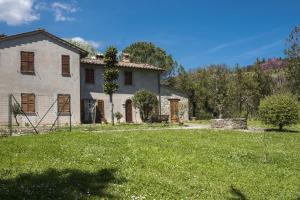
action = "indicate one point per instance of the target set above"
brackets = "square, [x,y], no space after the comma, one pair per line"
[46,115]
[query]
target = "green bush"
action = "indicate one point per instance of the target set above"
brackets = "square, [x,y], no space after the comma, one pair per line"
[279,110]
[145,101]
[119,116]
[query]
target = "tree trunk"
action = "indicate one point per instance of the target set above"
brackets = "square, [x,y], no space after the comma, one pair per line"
[16,120]
[112,109]
[280,127]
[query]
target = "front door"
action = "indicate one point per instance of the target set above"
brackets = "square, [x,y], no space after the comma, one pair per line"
[100,111]
[128,111]
[174,110]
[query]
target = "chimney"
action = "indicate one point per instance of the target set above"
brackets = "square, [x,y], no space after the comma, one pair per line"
[99,56]
[125,57]
[2,36]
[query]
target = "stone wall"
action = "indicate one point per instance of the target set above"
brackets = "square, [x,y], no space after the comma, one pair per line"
[234,123]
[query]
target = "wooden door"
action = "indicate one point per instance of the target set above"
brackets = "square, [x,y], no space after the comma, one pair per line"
[174,110]
[100,111]
[128,111]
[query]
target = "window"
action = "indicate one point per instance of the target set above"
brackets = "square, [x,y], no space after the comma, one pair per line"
[27,62]
[89,76]
[65,62]
[63,104]
[128,78]
[28,103]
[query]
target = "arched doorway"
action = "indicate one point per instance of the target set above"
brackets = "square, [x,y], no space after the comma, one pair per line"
[128,111]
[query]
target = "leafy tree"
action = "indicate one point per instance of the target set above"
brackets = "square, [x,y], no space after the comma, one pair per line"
[85,46]
[279,110]
[111,75]
[147,52]
[293,67]
[218,88]
[145,101]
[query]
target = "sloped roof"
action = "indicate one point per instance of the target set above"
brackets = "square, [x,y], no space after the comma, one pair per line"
[83,53]
[122,64]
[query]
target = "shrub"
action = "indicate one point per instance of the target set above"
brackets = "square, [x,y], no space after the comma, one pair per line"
[145,101]
[119,116]
[279,110]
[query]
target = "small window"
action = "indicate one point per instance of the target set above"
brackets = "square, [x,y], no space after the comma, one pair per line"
[89,76]
[27,62]
[63,104]
[65,61]
[128,78]
[28,103]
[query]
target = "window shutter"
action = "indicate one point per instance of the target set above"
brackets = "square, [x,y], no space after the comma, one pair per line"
[63,103]
[27,62]
[128,78]
[28,103]
[89,76]
[65,64]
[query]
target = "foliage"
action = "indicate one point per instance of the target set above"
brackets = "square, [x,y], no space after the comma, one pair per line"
[218,88]
[145,101]
[119,116]
[137,164]
[16,110]
[147,52]
[111,75]
[85,46]
[293,67]
[279,110]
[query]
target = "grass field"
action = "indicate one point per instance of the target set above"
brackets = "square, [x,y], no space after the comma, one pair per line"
[166,164]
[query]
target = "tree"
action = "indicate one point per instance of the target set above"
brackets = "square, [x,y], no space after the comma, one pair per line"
[293,66]
[147,52]
[85,46]
[145,101]
[279,110]
[218,76]
[111,75]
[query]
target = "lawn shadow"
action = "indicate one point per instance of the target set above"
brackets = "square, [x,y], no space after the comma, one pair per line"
[236,194]
[282,131]
[66,184]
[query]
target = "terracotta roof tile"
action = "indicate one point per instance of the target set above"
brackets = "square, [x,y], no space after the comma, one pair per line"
[121,64]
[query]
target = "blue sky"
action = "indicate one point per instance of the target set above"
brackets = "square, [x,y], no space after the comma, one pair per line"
[194,32]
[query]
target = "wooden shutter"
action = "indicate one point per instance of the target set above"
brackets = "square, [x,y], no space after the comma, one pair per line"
[89,76]
[128,77]
[27,62]
[28,103]
[65,60]
[63,101]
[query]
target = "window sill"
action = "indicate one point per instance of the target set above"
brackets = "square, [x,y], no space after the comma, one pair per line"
[30,114]
[66,75]
[28,73]
[64,114]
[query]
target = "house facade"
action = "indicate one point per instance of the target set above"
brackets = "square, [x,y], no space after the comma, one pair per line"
[54,82]
[41,73]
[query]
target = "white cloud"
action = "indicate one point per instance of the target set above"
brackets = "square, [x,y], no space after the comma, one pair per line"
[61,10]
[90,42]
[16,12]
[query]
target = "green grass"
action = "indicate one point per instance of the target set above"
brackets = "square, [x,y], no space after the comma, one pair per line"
[166,164]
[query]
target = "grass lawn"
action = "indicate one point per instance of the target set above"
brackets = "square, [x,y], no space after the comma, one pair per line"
[166,164]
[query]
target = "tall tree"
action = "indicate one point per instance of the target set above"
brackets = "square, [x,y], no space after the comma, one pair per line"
[85,46]
[147,52]
[293,68]
[218,88]
[111,75]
